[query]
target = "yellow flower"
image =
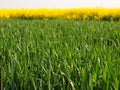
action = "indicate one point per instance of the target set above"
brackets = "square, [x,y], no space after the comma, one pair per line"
[71,13]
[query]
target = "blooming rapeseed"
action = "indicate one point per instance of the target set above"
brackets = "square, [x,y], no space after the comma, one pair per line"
[71,13]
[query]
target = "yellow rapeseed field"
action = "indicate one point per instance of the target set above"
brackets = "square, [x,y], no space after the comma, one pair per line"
[70,13]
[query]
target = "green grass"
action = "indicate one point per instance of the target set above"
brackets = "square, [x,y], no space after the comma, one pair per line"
[60,54]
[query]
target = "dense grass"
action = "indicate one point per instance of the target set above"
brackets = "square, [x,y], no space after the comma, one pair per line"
[60,54]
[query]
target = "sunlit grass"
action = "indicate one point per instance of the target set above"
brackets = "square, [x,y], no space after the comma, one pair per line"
[60,54]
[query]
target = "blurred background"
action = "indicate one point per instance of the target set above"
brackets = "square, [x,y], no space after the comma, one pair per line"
[58,3]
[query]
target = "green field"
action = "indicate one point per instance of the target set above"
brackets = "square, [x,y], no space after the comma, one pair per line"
[60,54]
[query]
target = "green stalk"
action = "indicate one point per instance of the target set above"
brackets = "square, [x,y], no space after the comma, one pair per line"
[1,82]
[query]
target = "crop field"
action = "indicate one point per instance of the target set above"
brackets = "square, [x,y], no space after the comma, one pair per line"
[59,54]
[68,13]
